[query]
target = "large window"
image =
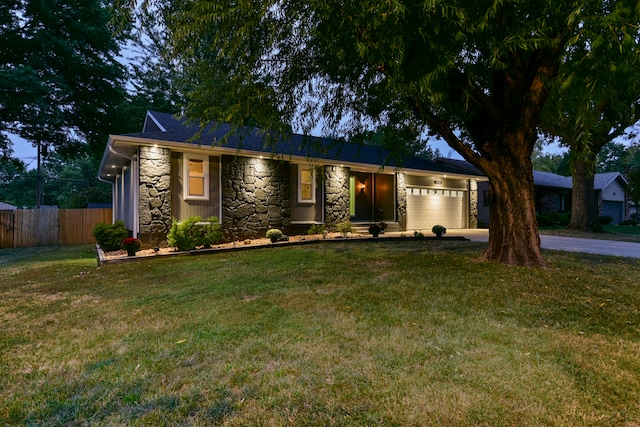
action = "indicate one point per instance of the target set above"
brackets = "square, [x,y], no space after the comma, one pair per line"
[306,184]
[196,182]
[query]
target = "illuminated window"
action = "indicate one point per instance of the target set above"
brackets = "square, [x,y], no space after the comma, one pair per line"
[196,182]
[306,185]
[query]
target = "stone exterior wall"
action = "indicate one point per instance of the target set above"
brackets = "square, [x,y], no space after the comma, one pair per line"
[336,194]
[255,196]
[154,208]
[401,202]
[473,204]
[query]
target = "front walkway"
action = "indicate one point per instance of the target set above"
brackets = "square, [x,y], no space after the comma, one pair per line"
[562,243]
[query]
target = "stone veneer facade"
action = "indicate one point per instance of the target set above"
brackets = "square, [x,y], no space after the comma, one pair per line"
[473,204]
[401,202]
[154,207]
[336,203]
[255,196]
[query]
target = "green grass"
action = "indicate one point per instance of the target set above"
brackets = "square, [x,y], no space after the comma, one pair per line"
[414,333]
[622,233]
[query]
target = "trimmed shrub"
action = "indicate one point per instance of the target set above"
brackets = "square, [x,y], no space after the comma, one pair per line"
[193,233]
[605,220]
[109,236]
[553,219]
[629,222]
[439,230]
[274,235]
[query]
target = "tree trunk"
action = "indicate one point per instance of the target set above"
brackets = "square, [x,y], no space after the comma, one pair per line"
[584,206]
[513,229]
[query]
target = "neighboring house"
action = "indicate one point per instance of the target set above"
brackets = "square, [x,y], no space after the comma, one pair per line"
[553,194]
[612,197]
[7,207]
[252,182]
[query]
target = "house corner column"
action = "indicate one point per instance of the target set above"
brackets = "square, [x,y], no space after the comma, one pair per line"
[401,202]
[154,207]
[473,203]
[336,195]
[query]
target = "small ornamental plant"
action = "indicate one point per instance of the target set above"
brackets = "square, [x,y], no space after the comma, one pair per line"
[131,245]
[316,229]
[274,235]
[344,228]
[439,230]
[375,229]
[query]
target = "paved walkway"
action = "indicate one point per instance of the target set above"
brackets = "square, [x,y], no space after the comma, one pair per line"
[569,244]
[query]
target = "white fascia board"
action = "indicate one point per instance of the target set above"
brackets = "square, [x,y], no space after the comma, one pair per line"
[154,120]
[184,147]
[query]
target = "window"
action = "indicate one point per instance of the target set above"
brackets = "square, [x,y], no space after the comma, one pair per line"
[485,197]
[306,185]
[196,182]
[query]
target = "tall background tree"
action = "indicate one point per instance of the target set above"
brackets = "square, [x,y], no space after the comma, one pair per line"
[62,87]
[478,73]
[595,100]
[59,77]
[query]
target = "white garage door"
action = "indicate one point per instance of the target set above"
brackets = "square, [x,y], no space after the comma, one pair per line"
[428,207]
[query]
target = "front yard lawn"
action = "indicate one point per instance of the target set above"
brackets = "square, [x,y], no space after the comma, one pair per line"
[386,333]
[622,233]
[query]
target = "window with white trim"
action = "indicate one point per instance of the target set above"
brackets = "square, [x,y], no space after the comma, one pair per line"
[306,184]
[196,179]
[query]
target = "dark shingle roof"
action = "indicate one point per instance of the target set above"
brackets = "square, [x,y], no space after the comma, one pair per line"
[252,139]
[7,207]
[603,180]
[548,179]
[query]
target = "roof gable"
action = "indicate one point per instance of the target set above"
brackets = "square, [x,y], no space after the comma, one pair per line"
[603,180]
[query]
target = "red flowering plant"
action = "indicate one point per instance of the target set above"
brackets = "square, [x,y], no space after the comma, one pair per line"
[131,243]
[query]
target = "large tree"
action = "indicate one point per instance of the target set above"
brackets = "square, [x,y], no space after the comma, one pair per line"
[59,77]
[595,100]
[476,72]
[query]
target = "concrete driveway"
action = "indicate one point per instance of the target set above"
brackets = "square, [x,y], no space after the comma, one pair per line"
[561,243]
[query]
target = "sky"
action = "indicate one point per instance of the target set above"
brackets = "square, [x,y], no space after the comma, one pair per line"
[26,152]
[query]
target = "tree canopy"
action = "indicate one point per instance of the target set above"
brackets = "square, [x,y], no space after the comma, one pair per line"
[477,73]
[59,77]
[595,100]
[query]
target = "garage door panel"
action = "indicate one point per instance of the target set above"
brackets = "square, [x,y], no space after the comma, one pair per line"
[428,207]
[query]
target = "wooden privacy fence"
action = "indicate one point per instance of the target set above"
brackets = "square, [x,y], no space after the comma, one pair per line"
[49,227]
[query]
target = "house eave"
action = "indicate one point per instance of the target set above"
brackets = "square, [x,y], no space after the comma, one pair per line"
[112,164]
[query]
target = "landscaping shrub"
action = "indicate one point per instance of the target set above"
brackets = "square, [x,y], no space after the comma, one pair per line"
[109,236]
[274,235]
[439,230]
[605,220]
[344,227]
[316,229]
[629,222]
[194,232]
[554,219]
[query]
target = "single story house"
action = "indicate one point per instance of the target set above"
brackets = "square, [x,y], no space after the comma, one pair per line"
[611,189]
[253,181]
[553,194]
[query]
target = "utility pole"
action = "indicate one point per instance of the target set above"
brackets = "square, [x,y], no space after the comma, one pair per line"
[39,184]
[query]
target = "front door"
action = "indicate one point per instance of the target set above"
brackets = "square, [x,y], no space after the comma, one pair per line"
[372,197]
